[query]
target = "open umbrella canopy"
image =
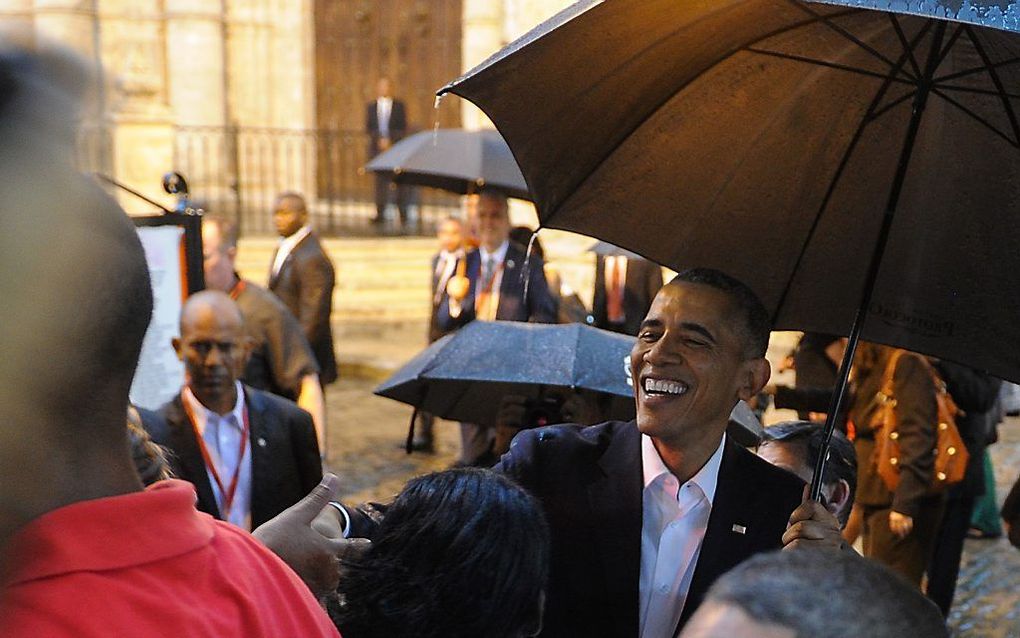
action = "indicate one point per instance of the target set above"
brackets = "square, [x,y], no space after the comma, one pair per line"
[464,375]
[454,160]
[779,140]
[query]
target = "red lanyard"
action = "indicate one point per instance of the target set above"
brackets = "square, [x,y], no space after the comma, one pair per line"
[236,291]
[227,494]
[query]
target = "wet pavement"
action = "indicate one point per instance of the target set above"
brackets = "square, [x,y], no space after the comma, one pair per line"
[366,434]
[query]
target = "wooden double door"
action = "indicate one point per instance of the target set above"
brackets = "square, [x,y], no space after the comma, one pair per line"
[415,43]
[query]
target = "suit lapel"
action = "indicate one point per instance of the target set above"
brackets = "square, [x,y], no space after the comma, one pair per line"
[728,538]
[189,455]
[615,500]
[260,461]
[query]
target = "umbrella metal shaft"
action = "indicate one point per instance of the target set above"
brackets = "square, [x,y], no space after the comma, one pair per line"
[839,393]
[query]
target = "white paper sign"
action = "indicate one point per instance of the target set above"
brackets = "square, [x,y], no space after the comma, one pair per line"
[160,375]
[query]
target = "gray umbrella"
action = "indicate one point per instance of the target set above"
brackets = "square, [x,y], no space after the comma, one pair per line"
[847,163]
[464,375]
[454,160]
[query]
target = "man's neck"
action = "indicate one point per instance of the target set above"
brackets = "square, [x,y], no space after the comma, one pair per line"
[685,459]
[221,404]
[491,248]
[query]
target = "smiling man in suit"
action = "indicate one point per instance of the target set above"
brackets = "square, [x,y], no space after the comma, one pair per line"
[249,454]
[646,515]
[494,289]
[302,276]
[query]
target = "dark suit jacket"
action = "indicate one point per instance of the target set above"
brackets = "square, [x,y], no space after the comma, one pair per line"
[539,307]
[305,285]
[642,282]
[590,483]
[285,463]
[436,327]
[398,124]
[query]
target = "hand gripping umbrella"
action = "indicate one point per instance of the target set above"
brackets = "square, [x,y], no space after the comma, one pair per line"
[843,160]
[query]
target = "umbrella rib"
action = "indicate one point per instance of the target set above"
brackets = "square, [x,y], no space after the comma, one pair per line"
[949,44]
[975,116]
[722,58]
[891,105]
[903,42]
[972,89]
[977,69]
[997,81]
[851,37]
[869,116]
[831,65]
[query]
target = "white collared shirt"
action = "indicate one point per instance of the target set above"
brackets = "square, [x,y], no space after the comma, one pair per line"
[673,523]
[446,262]
[222,435]
[287,245]
[383,108]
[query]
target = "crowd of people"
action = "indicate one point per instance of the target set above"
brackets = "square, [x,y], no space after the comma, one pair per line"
[212,515]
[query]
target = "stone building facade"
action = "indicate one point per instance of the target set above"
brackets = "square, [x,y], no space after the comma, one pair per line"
[237,93]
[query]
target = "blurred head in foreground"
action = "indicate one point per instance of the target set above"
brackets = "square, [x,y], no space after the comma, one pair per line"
[460,553]
[795,445]
[807,593]
[76,303]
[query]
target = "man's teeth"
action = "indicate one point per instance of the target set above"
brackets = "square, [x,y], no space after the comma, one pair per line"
[662,386]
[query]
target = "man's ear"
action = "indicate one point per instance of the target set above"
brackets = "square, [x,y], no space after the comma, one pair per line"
[840,497]
[247,345]
[178,348]
[754,375]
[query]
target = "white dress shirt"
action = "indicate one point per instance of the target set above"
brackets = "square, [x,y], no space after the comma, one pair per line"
[383,108]
[673,523]
[287,245]
[445,265]
[222,436]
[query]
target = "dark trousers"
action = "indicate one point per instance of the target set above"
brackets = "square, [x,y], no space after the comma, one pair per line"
[384,189]
[944,568]
[908,556]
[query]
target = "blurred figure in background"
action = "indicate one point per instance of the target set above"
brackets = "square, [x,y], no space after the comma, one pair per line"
[976,394]
[281,360]
[302,276]
[386,124]
[624,289]
[898,525]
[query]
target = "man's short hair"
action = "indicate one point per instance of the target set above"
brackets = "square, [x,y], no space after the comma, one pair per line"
[755,320]
[842,460]
[227,228]
[497,195]
[296,197]
[817,592]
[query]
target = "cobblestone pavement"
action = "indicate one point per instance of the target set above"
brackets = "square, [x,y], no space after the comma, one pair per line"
[987,603]
[365,441]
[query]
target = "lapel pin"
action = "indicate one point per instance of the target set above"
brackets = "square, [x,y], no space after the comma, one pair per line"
[509,264]
[739,529]
[261,442]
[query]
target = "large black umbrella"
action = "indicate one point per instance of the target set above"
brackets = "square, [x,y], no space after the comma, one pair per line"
[464,375]
[843,161]
[455,160]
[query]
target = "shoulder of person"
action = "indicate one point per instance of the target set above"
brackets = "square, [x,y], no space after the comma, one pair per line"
[764,473]
[911,367]
[567,439]
[265,402]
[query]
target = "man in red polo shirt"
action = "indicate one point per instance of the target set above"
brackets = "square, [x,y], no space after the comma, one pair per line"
[84,549]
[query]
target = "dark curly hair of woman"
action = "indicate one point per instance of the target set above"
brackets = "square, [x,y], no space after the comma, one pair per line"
[460,553]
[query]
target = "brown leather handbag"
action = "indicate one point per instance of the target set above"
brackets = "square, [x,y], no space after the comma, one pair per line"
[950,453]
